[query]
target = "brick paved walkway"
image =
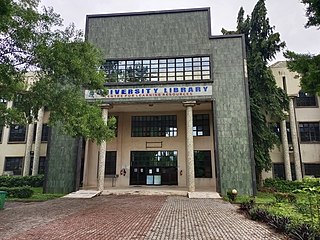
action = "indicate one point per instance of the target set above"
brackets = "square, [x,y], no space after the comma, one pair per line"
[129,217]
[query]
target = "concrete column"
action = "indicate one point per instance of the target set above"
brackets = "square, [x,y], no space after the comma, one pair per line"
[27,156]
[285,148]
[37,143]
[189,145]
[294,136]
[102,151]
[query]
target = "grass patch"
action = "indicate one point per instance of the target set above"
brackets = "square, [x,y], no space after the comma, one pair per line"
[38,196]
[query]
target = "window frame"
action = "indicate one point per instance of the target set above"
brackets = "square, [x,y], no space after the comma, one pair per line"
[277,131]
[312,139]
[161,158]
[169,69]
[283,173]
[312,166]
[44,133]
[42,165]
[207,160]
[305,101]
[17,141]
[1,133]
[111,158]
[154,126]
[201,124]
[20,165]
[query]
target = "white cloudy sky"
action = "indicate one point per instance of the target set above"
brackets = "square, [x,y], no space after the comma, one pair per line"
[288,16]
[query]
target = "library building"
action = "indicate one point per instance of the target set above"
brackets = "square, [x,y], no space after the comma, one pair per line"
[180,97]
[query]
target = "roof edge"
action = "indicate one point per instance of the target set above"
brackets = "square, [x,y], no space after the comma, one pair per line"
[148,12]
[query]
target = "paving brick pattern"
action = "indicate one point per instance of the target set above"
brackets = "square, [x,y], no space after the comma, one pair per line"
[183,218]
[129,217]
[108,218]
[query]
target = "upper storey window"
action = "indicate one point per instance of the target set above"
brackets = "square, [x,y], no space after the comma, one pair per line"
[155,70]
[306,100]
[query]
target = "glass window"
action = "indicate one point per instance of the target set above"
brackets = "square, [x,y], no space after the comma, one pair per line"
[154,126]
[111,163]
[202,164]
[312,170]
[139,70]
[44,134]
[41,168]
[278,171]
[1,130]
[305,100]
[309,131]
[17,133]
[277,130]
[154,158]
[201,125]
[14,165]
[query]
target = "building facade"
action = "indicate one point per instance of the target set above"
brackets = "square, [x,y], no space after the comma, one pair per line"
[180,97]
[23,148]
[299,152]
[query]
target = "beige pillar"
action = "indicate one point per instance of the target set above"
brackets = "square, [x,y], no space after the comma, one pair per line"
[37,143]
[285,148]
[294,136]
[189,145]
[27,156]
[102,151]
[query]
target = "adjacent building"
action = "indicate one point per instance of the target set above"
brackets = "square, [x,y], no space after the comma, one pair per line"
[299,152]
[23,148]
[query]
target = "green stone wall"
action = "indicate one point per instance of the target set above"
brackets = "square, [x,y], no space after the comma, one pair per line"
[62,163]
[187,34]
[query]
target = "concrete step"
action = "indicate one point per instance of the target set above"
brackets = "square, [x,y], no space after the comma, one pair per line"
[203,195]
[83,194]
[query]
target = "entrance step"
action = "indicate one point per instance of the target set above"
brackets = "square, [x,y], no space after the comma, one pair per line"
[83,194]
[145,191]
[203,195]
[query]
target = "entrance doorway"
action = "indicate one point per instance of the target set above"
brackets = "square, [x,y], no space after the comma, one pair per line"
[154,168]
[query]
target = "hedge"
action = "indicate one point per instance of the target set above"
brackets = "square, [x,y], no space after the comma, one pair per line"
[285,186]
[18,192]
[19,181]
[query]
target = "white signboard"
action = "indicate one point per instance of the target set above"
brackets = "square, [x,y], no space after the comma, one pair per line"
[151,92]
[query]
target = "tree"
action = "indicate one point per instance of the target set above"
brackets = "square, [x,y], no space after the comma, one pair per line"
[63,65]
[312,12]
[266,99]
[307,65]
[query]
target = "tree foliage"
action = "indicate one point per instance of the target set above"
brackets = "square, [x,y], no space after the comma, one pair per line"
[307,65]
[312,12]
[62,63]
[266,99]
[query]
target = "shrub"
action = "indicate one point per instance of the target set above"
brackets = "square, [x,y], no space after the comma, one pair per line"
[259,214]
[280,185]
[303,232]
[18,192]
[280,223]
[19,181]
[285,197]
[246,206]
